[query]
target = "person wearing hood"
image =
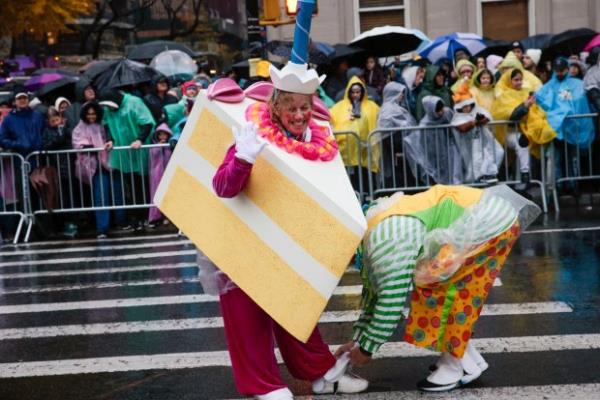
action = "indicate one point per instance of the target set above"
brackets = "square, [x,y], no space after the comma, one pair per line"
[84,92]
[61,105]
[21,130]
[432,153]
[356,113]
[359,73]
[159,158]
[577,69]
[159,97]
[393,114]
[480,152]
[482,89]
[531,82]
[517,104]
[129,123]
[492,62]
[465,70]
[433,86]
[93,168]
[564,95]
[413,77]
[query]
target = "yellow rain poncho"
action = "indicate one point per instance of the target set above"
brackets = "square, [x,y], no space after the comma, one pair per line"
[341,122]
[460,65]
[534,125]
[531,83]
[483,96]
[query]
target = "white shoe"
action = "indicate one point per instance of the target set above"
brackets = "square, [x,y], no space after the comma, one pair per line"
[451,372]
[279,394]
[348,384]
[476,356]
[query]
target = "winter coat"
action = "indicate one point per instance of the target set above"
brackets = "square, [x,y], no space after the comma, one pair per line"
[21,131]
[159,158]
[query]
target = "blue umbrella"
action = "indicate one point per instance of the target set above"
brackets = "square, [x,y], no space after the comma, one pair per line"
[446,46]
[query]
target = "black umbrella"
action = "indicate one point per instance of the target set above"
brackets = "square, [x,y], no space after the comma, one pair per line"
[318,52]
[343,51]
[540,41]
[568,42]
[60,71]
[64,87]
[498,47]
[384,41]
[123,73]
[95,68]
[147,51]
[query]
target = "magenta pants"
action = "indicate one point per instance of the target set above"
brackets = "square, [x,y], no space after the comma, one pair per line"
[251,335]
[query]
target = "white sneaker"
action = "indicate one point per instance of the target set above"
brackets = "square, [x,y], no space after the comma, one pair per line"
[476,356]
[348,384]
[279,394]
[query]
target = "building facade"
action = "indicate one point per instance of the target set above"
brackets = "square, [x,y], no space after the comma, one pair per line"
[339,21]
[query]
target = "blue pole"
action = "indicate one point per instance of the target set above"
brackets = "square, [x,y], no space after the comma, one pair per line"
[302,31]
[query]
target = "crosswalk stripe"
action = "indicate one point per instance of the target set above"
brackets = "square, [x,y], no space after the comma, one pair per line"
[96,248]
[584,391]
[217,322]
[74,242]
[77,260]
[489,309]
[560,230]
[96,271]
[173,361]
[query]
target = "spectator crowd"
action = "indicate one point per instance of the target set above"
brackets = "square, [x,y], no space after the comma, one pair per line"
[445,112]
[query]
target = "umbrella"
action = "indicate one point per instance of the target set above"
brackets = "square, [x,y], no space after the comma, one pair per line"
[343,51]
[446,46]
[425,39]
[175,63]
[36,82]
[62,72]
[540,41]
[498,47]
[592,43]
[388,40]
[149,50]
[96,67]
[64,87]
[569,42]
[23,62]
[122,73]
[318,52]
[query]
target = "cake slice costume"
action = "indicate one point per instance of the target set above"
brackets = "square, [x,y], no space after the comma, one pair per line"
[450,242]
[274,218]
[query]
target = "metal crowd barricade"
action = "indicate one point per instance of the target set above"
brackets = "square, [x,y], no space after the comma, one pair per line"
[14,194]
[571,163]
[398,171]
[83,183]
[343,138]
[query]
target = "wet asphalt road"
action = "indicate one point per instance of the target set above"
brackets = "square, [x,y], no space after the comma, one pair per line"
[126,318]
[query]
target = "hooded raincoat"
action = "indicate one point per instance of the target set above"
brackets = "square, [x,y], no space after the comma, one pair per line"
[563,98]
[534,125]
[159,158]
[531,83]
[431,89]
[432,153]
[484,97]
[459,66]
[125,125]
[341,121]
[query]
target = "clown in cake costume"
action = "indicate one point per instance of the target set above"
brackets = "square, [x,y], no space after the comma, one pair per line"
[450,242]
[258,185]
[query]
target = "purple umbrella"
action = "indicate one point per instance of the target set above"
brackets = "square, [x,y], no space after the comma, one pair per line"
[36,82]
[25,62]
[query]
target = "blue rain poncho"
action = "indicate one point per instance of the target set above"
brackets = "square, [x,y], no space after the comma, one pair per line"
[562,98]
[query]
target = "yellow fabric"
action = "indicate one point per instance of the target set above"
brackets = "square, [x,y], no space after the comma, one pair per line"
[460,64]
[534,125]
[531,83]
[464,196]
[340,121]
[483,97]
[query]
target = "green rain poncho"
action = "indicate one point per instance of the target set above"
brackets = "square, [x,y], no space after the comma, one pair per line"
[125,127]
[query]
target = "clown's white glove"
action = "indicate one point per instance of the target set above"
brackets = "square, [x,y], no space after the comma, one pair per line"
[248,144]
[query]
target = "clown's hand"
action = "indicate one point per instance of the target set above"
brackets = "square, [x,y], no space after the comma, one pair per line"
[345,348]
[248,144]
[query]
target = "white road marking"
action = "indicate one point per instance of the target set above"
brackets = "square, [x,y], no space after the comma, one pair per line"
[96,241]
[217,322]
[95,271]
[221,358]
[76,260]
[99,248]
[558,230]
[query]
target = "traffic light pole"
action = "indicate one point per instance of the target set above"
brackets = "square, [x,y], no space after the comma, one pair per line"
[257,34]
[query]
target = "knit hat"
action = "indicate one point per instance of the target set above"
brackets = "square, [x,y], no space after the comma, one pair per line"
[517,45]
[534,54]
[188,85]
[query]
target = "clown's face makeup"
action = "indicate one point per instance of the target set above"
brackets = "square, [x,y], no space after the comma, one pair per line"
[295,112]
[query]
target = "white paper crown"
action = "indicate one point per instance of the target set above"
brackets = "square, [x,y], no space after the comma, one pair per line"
[296,78]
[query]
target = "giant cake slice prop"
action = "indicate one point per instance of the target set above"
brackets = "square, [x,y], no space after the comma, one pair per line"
[287,239]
